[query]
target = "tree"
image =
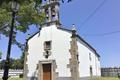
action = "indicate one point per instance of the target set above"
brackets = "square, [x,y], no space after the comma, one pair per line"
[15,64]
[28,14]
[2,64]
[22,58]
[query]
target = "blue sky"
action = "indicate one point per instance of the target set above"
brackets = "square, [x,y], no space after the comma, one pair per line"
[93,19]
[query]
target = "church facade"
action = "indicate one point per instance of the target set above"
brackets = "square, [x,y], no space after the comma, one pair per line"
[57,53]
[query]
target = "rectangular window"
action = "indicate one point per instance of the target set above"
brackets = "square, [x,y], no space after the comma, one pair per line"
[90,57]
[98,58]
[47,45]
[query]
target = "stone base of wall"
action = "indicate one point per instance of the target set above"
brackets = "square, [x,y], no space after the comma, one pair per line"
[32,78]
[68,78]
[60,78]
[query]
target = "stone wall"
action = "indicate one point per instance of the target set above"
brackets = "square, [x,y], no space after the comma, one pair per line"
[12,73]
[110,72]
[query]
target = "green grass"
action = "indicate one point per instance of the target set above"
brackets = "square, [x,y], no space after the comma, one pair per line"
[104,78]
[95,78]
[14,79]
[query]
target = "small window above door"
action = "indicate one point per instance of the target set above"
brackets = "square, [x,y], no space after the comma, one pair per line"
[47,45]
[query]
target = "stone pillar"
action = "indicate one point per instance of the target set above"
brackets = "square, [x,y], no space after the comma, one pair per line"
[74,62]
[49,13]
[25,70]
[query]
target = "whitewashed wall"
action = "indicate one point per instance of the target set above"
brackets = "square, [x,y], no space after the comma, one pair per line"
[85,62]
[60,49]
[60,52]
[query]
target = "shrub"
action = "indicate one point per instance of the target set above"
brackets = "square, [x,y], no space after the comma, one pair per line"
[21,76]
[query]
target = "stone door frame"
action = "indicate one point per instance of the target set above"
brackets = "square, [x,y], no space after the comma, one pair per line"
[53,67]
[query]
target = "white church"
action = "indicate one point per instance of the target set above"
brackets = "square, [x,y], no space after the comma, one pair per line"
[57,53]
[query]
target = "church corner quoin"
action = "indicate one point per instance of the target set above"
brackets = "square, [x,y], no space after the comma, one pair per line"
[56,53]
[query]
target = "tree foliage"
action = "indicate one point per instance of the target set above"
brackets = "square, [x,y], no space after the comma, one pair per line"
[2,64]
[14,63]
[28,14]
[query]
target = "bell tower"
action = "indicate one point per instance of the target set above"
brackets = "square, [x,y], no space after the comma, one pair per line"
[51,10]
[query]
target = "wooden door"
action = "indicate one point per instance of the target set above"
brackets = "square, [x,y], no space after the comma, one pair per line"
[47,72]
[91,72]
